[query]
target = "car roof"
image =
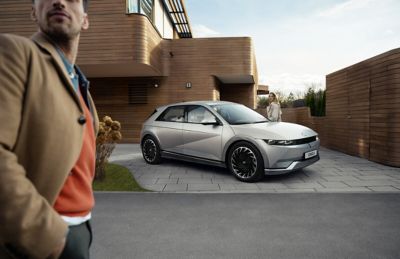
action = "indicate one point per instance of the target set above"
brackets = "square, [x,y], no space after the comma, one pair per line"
[198,103]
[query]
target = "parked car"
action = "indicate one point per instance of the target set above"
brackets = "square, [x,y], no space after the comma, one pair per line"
[230,135]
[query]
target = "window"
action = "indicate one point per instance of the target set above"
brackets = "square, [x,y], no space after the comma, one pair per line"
[199,114]
[132,6]
[146,7]
[173,114]
[236,114]
[140,6]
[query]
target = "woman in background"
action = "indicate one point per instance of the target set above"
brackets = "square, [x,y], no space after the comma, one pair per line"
[274,112]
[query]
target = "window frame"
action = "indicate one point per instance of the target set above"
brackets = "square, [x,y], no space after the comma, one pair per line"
[138,10]
[161,116]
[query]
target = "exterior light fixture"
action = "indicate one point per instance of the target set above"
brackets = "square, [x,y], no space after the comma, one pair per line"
[188,85]
[156,85]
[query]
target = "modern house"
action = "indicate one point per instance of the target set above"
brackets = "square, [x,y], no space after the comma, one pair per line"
[140,54]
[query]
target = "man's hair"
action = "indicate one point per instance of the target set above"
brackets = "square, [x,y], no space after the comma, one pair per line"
[85,4]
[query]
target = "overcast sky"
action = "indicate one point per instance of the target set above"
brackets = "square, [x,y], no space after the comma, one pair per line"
[298,42]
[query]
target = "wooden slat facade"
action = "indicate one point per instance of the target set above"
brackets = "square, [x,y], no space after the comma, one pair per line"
[121,51]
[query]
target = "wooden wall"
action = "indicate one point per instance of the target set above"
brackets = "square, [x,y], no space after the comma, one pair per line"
[385,108]
[117,38]
[238,93]
[198,61]
[362,110]
[15,17]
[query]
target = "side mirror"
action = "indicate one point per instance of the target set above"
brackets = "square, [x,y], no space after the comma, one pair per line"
[211,121]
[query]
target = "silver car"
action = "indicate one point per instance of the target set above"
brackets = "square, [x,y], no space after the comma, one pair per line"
[229,135]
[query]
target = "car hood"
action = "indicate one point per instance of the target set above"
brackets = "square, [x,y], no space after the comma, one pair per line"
[274,130]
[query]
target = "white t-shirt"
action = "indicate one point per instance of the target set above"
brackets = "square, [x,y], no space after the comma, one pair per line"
[274,112]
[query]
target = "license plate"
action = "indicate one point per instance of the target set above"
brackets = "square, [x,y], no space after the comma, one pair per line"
[310,154]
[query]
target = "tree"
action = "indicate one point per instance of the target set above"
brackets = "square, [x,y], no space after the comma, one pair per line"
[316,101]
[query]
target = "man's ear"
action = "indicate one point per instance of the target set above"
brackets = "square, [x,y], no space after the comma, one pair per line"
[33,15]
[85,22]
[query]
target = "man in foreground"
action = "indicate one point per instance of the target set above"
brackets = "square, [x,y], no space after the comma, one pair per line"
[47,138]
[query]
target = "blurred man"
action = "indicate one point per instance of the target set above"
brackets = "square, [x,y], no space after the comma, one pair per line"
[48,125]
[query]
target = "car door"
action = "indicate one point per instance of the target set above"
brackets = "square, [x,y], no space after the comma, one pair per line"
[169,129]
[201,137]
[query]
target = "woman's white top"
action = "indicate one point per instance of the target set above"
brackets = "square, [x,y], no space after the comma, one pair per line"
[274,112]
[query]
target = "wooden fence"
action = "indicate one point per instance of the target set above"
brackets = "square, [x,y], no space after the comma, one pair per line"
[362,110]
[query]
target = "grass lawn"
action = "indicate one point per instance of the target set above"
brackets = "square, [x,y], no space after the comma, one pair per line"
[118,178]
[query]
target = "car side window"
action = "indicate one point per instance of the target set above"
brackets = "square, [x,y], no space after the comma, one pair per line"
[173,114]
[199,114]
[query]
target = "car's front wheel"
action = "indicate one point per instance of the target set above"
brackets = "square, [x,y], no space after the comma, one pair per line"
[151,150]
[245,162]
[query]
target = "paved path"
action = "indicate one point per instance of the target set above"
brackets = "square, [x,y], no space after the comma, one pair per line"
[252,226]
[335,172]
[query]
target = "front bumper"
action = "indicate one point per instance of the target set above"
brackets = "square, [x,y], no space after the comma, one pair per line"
[295,165]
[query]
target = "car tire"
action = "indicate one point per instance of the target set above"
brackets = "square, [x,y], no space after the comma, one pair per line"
[151,150]
[245,162]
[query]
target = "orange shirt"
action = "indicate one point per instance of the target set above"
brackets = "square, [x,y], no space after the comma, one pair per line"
[76,197]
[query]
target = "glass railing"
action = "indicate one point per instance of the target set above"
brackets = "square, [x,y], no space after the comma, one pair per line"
[140,6]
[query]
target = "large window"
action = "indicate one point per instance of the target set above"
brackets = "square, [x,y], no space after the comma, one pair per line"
[140,6]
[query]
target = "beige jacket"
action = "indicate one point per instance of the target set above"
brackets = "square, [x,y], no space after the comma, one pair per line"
[40,141]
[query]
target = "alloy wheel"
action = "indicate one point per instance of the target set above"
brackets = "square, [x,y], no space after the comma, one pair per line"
[244,162]
[149,150]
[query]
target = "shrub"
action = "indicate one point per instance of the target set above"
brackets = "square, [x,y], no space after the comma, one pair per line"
[316,101]
[262,102]
[109,134]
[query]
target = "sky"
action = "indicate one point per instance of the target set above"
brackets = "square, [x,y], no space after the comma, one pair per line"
[298,42]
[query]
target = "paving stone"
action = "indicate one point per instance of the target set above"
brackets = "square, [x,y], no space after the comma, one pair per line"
[203,187]
[370,183]
[376,177]
[187,175]
[246,186]
[339,178]
[384,189]
[304,185]
[268,186]
[227,186]
[334,185]
[228,180]
[175,187]
[348,189]
[395,176]
[154,187]
[167,180]
[194,180]
[144,181]
[304,190]
[154,175]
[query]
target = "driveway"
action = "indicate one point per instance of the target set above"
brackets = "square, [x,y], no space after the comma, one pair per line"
[335,172]
[245,225]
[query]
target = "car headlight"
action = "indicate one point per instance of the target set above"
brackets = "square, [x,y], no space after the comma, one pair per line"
[279,142]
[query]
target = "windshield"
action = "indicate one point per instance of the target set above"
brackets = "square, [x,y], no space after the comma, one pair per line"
[238,114]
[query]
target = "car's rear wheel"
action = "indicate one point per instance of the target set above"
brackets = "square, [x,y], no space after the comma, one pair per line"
[245,162]
[151,150]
